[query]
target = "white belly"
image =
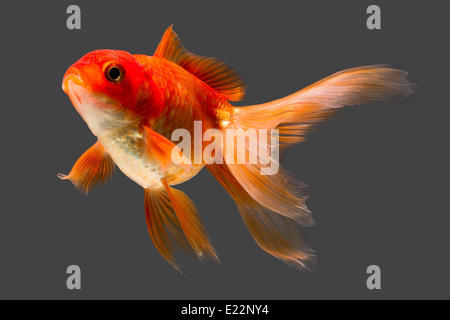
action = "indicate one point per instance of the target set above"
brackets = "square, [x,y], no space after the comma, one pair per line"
[126,151]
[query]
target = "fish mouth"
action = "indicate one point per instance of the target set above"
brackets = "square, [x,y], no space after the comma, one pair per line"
[72,74]
[100,113]
[73,86]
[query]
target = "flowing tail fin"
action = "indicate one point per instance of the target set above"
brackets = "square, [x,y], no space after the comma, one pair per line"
[273,232]
[272,205]
[295,114]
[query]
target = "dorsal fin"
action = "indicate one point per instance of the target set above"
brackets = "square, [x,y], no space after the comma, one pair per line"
[214,72]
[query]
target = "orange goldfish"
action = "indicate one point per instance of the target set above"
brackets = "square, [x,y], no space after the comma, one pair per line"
[133,103]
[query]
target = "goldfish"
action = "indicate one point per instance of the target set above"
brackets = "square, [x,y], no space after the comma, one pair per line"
[133,103]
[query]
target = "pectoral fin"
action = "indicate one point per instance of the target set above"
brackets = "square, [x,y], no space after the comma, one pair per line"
[159,149]
[93,168]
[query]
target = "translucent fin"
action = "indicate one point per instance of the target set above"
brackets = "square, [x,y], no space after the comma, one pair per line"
[295,114]
[214,72]
[94,168]
[267,183]
[272,204]
[275,233]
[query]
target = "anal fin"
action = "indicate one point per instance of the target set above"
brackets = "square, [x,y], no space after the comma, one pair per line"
[173,222]
[191,224]
[163,225]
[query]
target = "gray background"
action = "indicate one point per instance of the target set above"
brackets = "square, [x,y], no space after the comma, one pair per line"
[378,173]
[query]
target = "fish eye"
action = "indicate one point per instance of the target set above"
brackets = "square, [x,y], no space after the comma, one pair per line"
[114,73]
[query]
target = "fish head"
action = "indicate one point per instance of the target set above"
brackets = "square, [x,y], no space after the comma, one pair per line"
[108,88]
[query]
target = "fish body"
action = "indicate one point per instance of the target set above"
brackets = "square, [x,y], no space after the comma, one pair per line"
[182,99]
[133,104]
